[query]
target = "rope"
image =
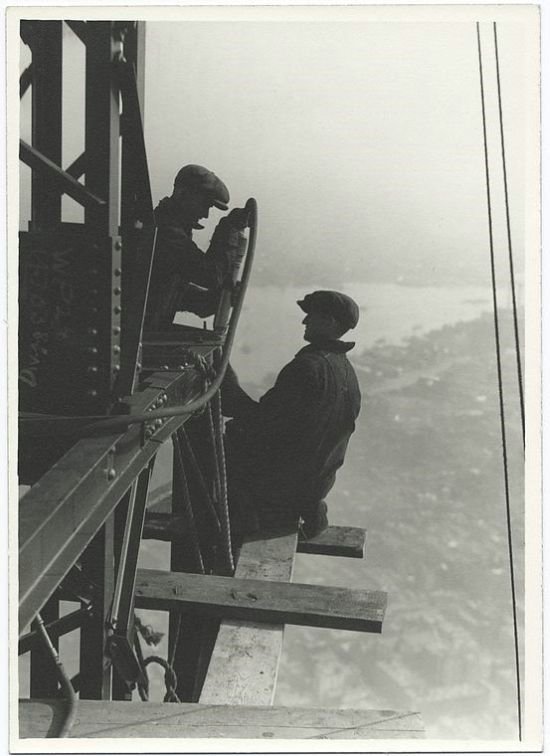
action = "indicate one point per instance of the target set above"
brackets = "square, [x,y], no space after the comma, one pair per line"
[224,503]
[220,484]
[187,508]
[70,714]
[120,423]
[509,234]
[151,636]
[500,387]
[170,678]
[199,477]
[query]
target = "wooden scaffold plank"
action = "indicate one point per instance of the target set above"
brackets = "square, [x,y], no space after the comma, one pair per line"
[262,601]
[245,659]
[117,719]
[336,540]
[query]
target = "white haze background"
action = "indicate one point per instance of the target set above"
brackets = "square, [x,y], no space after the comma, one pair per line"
[362,142]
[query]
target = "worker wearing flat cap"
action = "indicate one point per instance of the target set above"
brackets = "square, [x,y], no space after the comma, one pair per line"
[283,451]
[184,277]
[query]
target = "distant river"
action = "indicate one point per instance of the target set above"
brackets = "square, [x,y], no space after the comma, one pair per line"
[270,333]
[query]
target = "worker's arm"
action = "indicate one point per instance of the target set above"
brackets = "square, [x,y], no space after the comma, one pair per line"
[235,401]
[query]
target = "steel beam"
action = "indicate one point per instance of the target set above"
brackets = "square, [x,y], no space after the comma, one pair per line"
[59,179]
[63,511]
[25,80]
[55,629]
[47,54]
[80,28]
[102,128]
[98,564]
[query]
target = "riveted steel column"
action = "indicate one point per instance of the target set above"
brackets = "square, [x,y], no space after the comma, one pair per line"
[45,40]
[102,131]
[102,127]
[47,57]
[98,566]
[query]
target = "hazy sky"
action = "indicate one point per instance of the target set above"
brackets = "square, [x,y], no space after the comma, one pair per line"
[357,139]
[361,139]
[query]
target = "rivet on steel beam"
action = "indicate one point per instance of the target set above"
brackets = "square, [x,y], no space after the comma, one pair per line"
[116,330]
[117,309]
[166,367]
[138,366]
[111,473]
[116,349]
[92,393]
[116,368]
[158,422]
[92,369]
[117,272]
[92,331]
[117,290]
[118,244]
[92,350]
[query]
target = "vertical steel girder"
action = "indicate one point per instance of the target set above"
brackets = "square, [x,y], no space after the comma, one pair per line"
[47,61]
[102,129]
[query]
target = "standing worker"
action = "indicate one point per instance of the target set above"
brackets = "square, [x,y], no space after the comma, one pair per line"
[284,450]
[183,277]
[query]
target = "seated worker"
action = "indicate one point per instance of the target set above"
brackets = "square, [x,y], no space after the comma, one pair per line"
[284,450]
[184,277]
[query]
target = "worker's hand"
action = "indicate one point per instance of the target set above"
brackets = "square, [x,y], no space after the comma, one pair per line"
[239,218]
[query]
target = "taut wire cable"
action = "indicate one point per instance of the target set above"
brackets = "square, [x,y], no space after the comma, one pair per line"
[500,386]
[509,234]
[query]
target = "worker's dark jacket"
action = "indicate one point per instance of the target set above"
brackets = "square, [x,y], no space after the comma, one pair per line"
[184,277]
[284,451]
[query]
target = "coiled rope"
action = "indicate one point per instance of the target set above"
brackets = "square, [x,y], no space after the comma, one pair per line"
[500,388]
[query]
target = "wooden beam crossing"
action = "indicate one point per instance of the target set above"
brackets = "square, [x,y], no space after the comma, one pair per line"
[119,719]
[336,541]
[261,601]
[244,663]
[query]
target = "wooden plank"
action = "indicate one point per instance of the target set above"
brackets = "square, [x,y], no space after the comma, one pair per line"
[262,601]
[336,541]
[118,719]
[244,663]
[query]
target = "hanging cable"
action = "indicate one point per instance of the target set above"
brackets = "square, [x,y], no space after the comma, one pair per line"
[500,385]
[509,234]
[64,728]
[120,423]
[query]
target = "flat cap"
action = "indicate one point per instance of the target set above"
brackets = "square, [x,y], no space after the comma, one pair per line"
[334,303]
[199,177]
